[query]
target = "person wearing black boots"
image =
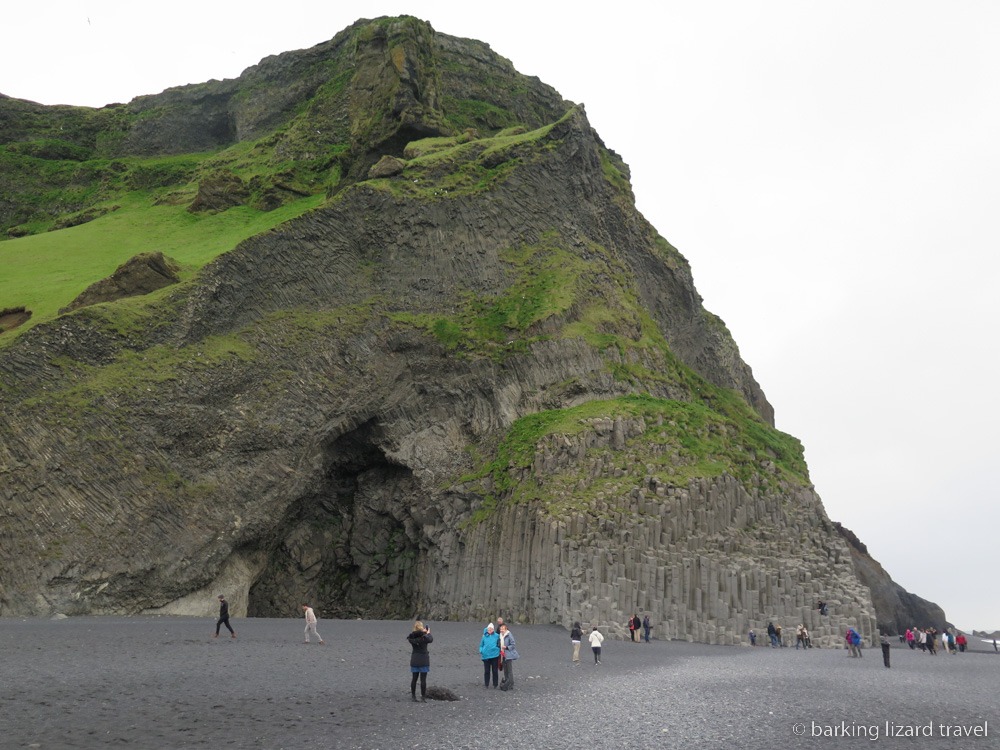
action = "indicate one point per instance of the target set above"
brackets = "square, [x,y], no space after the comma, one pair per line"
[420,659]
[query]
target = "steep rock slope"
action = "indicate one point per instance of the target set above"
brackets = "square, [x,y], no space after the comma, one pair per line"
[482,384]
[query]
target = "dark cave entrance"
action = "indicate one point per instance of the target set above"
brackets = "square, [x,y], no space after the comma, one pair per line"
[347,548]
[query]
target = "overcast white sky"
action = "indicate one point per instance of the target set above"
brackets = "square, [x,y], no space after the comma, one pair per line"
[829,169]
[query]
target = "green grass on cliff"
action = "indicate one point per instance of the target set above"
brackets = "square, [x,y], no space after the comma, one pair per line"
[47,271]
[545,281]
[694,441]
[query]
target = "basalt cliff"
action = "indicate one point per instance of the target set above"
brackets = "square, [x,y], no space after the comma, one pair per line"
[447,370]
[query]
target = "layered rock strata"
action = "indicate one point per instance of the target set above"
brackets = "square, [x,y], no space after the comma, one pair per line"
[360,408]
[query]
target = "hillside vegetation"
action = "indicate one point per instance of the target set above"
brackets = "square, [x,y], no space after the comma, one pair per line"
[422,354]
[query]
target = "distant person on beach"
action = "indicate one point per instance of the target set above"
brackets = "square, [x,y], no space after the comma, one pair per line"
[854,643]
[509,656]
[800,636]
[885,650]
[806,638]
[994,645]
[646,627]
[633,626]
[575,636]
[777,634]
[772,634]
[223,618]
[753,638]
[961,642]
[420,659]
[311,625]
[596,639]
[821,606]
[910,639]
[489,652]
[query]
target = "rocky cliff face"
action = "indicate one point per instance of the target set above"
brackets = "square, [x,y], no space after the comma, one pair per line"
[482,384]
[897,608]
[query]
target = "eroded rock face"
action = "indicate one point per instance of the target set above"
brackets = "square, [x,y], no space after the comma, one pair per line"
[897,608]
[327,412]
[140,274]
[218,192]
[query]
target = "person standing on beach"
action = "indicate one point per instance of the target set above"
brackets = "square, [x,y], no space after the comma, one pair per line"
[753,638]
[223,618]
[489,652]
[420,659]
[771,633]
[646,627]
[576,635]
[885,650]
[311,625]
[510,655]
[596,639]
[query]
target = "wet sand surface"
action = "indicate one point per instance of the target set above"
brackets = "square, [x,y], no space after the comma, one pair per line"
[159,682]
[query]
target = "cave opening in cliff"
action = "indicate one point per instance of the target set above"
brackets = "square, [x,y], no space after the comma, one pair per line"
[344,547]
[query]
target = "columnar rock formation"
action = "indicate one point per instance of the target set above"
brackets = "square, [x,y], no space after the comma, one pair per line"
[478,382]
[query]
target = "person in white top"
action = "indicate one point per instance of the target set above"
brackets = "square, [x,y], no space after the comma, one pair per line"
[596,639]
[311,625]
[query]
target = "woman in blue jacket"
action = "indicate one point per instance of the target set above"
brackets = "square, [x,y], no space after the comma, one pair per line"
[489,652]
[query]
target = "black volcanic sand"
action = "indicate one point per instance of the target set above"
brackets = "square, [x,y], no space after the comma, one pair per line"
[157,682]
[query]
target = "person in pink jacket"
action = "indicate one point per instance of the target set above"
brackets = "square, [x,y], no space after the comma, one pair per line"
[311,625]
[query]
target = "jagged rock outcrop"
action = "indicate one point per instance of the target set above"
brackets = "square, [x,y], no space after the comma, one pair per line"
[141,274]
[897,608]
[481,384]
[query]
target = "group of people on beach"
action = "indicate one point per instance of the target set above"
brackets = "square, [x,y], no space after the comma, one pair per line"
[802,637]
[497,650]
[926,640]
[635,624]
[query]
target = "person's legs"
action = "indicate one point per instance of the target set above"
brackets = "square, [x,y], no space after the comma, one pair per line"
[576,650]
[508,675]
[486,672]
[413,685]
[496,671]
[423,685]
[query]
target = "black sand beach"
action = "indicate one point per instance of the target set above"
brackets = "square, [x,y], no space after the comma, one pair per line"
[158,682]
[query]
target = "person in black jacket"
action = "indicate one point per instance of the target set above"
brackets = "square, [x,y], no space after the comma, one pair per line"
[420,659]
[223,617]
[576,635]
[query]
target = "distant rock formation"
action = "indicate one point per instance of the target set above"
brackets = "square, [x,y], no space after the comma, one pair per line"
[141,274]
[897,608]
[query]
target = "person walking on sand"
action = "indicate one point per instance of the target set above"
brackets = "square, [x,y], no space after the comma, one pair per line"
[489,652]
[510,655]
[420,659]
[223,618]
[576,635]
[311,625]
[596,639]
